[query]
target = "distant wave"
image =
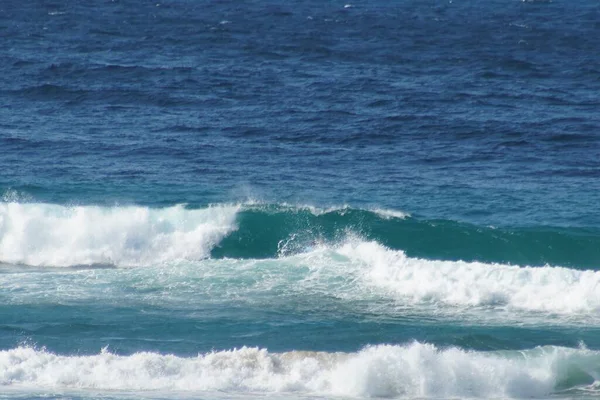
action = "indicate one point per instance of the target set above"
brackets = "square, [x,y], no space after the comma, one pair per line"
[414,370]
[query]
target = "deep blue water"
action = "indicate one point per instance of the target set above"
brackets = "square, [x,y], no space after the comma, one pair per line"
[298,199]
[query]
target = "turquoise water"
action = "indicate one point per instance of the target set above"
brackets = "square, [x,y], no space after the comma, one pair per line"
[299,200]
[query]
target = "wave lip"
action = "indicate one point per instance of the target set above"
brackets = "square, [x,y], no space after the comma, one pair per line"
[412,370]
[53,235]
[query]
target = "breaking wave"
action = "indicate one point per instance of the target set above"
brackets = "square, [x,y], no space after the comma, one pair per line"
[54,235]
[413,370]
[414,281]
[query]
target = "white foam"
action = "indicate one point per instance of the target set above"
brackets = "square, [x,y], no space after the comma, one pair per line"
[318,211]
[415,281]
[414,370]
[389,214]
[53,235]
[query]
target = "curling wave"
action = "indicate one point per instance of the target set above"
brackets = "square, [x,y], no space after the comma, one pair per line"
[412,370]
[54,235]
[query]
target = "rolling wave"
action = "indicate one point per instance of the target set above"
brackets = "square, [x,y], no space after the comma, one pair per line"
[413,370]
[54,235]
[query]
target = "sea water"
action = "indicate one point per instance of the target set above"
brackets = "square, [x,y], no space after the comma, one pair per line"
[299,200]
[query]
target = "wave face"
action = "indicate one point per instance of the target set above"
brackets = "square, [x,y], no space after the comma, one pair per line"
[415,370]
[266,231]
[53,235]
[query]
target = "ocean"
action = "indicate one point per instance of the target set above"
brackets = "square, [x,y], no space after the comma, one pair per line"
[247,199]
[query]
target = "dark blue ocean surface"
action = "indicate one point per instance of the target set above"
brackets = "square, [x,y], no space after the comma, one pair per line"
[299,199]
[471,110]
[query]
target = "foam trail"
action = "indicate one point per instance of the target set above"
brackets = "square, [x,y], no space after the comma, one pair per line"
[414,280]
[414,370]
[53,235]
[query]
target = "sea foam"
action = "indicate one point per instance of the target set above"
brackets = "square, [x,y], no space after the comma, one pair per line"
[54,235]
[412,370]
[414,280]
